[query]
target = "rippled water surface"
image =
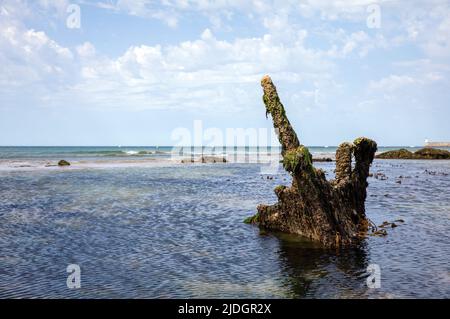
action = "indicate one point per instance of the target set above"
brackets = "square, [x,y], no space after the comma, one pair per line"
[177,231]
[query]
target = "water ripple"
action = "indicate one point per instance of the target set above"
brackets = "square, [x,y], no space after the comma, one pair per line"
[172,232]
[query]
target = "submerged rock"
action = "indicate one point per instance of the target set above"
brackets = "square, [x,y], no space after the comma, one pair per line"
[330,212]
[397,154]
[384,224]
[391,224]
[380,233]
[213,159]
[431,153]
[424,153]
[63,163]
[205,159]
[322,159]
[380,176]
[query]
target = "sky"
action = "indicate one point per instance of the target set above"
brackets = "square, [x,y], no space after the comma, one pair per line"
[131,72]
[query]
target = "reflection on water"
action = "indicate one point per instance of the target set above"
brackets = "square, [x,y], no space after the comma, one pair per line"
[177,232]
[316,272]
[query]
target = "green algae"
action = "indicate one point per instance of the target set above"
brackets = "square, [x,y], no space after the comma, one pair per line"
[252,219]
[297,158]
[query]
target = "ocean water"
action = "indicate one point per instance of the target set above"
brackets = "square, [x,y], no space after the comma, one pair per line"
[120,152]
[176,231]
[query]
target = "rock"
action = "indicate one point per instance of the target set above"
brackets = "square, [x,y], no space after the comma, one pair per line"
[322,159]
[431,153]
[205,159]
[398,154]
[384,224]
[213,159]
[381,233]
[63,163]
[380,176]
[389,224]
[424,153]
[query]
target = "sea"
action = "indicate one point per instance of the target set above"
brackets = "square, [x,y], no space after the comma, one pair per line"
[140,224]
[137,152]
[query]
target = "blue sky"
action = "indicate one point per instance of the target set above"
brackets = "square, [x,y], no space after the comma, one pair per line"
[135,70]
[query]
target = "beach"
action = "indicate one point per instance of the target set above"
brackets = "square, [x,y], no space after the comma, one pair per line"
[147,226]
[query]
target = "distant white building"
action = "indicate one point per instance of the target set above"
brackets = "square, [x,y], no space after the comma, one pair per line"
[436,144]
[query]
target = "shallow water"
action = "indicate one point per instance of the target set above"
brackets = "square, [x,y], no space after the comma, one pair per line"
[177,231]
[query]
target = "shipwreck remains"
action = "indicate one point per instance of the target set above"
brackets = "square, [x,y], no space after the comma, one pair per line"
[331,212]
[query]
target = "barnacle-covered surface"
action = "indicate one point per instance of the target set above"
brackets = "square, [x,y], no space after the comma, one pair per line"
[331,212]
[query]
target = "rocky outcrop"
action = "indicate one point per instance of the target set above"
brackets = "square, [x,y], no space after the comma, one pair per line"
[330,212]
[63,163]
[397,154]
[205,160]
[322,159]
[424,153]
[431,153]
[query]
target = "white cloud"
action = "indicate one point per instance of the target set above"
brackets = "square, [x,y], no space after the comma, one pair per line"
[395,82]
[392,82]
[163,11]
[207,71]
[202,73]
[438,43]
[29,56]
[171,11]
[86,50]
[58,6]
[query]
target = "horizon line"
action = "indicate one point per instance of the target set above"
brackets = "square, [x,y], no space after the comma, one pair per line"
[196,146]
